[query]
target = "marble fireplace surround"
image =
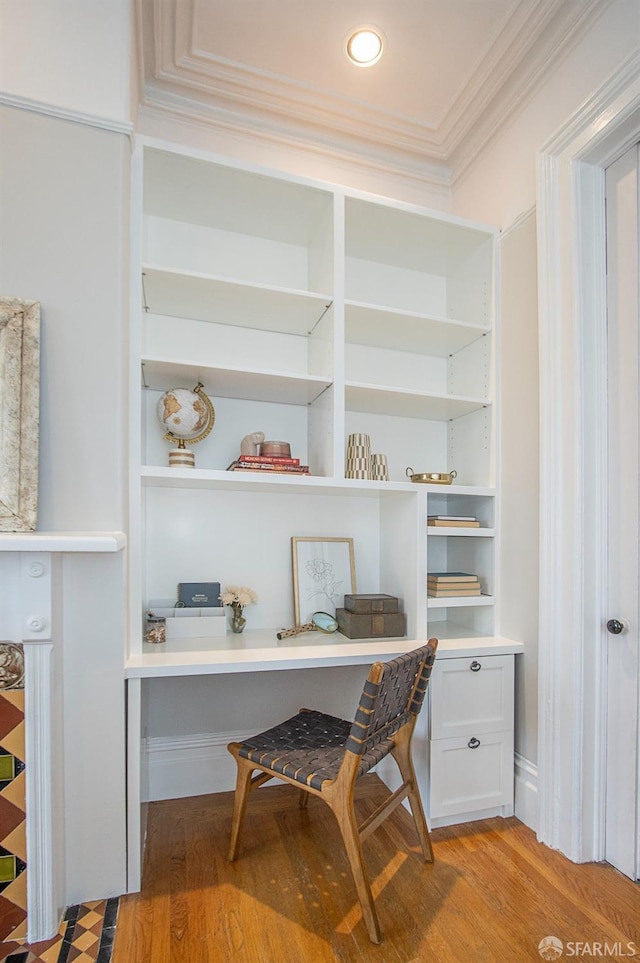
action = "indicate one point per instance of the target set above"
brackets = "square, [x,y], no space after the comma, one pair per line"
[30,614]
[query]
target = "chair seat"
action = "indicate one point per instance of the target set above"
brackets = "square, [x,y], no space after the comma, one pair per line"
[309,747]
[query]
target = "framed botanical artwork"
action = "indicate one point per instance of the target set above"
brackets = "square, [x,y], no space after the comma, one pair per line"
[324,572]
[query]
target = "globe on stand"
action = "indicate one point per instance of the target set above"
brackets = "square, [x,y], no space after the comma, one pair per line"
[185,416]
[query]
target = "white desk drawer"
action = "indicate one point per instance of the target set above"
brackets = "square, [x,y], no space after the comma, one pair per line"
[471,696]
[470,773]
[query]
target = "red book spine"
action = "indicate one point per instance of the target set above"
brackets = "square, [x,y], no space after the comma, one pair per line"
[270,459]
[272,469]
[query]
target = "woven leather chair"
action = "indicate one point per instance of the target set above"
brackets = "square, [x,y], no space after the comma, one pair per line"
[324,756]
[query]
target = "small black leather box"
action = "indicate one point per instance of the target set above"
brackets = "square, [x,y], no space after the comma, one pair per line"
[364,604]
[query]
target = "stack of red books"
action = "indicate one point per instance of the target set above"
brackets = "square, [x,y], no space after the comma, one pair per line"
[269,463]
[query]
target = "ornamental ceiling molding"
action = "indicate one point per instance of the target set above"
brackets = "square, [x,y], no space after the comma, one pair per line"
[572,22]
[180,78]
[421,172]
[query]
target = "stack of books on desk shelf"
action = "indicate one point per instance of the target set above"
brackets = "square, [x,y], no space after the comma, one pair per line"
[441,585]
[269,463]
[453,521]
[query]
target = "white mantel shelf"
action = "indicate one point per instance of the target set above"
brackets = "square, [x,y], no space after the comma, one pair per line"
[62,541]
[259,650]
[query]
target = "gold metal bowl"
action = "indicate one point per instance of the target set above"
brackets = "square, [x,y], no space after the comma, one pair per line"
[431,477]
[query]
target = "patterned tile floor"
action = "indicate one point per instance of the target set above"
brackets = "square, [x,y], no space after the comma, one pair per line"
[86,935]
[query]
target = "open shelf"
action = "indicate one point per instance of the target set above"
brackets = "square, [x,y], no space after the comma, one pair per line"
[380,327]
[409,404]
[204,297]
[240,383]
[460,602]
[157,477]
[460,532]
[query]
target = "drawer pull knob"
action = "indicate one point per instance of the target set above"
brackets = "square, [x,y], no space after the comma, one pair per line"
[473,743]
[475,666]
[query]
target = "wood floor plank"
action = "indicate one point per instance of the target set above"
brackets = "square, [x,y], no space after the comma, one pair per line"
[491,895]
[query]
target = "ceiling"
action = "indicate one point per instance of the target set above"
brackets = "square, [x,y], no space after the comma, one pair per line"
[452,71]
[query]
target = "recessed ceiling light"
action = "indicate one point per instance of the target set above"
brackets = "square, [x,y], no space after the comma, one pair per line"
[364,46]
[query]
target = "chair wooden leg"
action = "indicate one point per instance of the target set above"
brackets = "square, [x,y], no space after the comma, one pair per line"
[402,755]
[348,827]
[243,788]
[303,799]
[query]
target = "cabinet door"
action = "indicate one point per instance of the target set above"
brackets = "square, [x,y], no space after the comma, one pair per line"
[470,773]
[471,696]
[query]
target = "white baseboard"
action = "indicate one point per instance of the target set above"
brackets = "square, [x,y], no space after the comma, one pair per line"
[526,792]
[193,765]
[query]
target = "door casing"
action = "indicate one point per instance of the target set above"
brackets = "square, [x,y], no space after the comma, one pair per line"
[573,437]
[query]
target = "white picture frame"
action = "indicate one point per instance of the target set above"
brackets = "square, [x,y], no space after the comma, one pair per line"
[324,572]
[19,413]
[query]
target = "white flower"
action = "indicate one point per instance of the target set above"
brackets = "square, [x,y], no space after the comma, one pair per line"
[238,596]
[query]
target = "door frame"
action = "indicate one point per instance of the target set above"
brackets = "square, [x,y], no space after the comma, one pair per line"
[573,477]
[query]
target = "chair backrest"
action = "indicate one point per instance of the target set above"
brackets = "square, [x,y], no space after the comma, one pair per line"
[393,692]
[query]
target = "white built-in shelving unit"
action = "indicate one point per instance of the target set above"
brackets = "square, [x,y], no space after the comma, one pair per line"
[310,312]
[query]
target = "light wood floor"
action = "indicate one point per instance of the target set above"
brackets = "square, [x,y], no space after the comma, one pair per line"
[492,894]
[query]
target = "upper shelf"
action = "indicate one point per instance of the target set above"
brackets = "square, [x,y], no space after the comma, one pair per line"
[405,403]
[251,385]
[154,476]
[259,204]
[382,327]
[204,297]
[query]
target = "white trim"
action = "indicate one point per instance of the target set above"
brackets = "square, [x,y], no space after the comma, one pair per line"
[42,917]
[526,791]
[165,107]
[64,113]
[573,479]
[62,541]
[191,765]
[465,139]
[518,222]
[135,789]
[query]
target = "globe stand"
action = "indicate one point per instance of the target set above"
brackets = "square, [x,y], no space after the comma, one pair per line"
[169,411]
[181,457]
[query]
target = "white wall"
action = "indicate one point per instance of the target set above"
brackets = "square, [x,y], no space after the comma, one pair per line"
[64,224]
[64,238]
[73,54]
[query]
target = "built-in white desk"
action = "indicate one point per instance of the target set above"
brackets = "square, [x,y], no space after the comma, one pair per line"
[259,651]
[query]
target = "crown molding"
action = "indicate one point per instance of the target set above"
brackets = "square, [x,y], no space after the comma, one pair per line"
[572,21]
[63,113]
[514,43]
[424,175]
[178,65]
[181,77]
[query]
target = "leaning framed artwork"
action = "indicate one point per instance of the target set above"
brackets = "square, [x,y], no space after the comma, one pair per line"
[324,572]
[19,413]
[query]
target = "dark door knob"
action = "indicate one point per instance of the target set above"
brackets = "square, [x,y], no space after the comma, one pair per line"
[615,626]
